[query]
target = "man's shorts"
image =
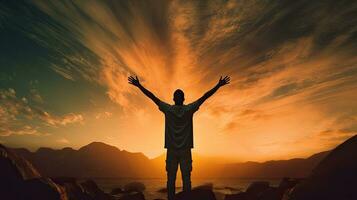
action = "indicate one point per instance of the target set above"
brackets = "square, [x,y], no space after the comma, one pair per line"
[174,157]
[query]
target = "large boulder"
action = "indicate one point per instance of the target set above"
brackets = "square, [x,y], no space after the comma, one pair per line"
[92,189]
[334,178]
[257,187]
[287,183]
[43,189]
[255,191]
[73,190]
[76,192]
[261,190]
[272,193]
[20,180]
[196,194]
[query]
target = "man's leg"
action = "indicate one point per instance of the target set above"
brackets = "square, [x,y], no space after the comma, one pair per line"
[186,168]
[171,169]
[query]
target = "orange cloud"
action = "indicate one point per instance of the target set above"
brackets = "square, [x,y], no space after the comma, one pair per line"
[18,117]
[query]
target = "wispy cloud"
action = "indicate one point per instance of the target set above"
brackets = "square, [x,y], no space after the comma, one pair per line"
[104,115]
[63,141]
[19,117]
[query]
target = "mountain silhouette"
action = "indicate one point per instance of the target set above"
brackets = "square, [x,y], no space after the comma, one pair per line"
[98,159]
[297,168]
[93,160]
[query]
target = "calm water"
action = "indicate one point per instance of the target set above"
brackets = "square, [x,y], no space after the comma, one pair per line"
[221,186]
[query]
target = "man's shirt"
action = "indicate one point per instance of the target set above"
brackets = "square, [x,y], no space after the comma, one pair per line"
[178,124]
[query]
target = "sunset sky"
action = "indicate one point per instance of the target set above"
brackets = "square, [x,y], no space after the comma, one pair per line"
[293,65]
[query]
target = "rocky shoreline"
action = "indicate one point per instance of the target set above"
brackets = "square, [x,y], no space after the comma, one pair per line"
[334,178]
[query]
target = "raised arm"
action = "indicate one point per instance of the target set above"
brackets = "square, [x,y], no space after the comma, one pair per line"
[135,81]
[221,82]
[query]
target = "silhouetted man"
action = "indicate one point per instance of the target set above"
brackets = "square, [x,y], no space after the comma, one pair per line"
[178,132]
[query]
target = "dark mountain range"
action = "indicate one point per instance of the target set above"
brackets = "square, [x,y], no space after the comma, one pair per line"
[101,160]
[297,167]
[93,160]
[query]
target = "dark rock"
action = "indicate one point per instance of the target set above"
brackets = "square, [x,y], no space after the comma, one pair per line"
[276,193]
[238,196]
[334,178]
[287,194]
[73,189]
[259,190]
[162,190]
[116,191]
[133,196]
[88,190]
[199,194]
[207,186]
[232,188]
[76,192]
[14,167]
[287,183]
[271,193]
[92,189]
[43,189]
[20,180]
[63,180]
[258,187]
[134,187]
[90,186]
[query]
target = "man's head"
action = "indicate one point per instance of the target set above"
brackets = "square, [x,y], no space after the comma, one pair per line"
[179,97]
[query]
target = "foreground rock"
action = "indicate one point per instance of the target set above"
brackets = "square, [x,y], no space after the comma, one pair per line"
[334,178]
[257,188]
[196,194]
[20,180]
[133,196]
[92,189]
[116,191]
[261,190]
[134,187]
[73,190]
[207,186]
[164,189]
[87,190]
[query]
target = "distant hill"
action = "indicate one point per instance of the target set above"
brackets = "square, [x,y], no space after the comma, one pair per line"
[297,167]
[93,160]
[101,160]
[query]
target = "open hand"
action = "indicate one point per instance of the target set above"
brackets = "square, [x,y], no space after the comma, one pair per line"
[134,81]
[224,81]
